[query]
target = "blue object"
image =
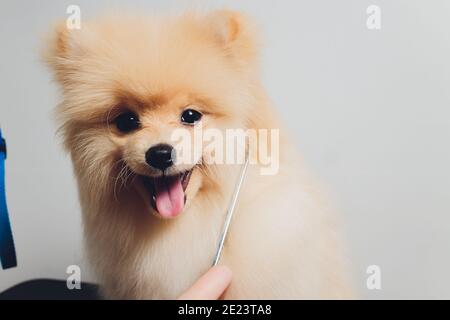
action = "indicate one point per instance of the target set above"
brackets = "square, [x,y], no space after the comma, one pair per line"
[7,250]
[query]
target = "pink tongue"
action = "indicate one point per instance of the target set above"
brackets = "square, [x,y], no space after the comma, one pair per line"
[169,196]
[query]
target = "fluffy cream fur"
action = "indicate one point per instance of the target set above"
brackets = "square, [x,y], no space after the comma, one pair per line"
[282,242]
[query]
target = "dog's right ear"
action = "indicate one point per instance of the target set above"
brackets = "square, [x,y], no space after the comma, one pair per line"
[235,33]
[64,49]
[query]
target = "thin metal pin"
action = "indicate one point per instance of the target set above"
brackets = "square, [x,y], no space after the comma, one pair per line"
[230,211]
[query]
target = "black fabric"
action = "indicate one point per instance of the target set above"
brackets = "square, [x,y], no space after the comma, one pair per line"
[49,289]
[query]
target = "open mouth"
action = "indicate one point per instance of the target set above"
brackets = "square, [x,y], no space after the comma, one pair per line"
[167,193]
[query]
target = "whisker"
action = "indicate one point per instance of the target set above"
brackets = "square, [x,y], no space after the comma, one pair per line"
[119,176]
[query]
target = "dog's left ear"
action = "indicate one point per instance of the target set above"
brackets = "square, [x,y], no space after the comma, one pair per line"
[65,49]
[235,33]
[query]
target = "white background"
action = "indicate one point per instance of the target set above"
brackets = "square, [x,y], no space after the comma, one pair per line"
[369,109]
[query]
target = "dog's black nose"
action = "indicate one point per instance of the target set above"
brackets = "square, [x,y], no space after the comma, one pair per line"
[160,156]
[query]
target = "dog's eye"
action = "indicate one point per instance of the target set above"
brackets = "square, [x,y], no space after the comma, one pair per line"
[190,116]
[127,122]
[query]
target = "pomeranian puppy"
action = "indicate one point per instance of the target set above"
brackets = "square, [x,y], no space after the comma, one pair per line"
[152,224]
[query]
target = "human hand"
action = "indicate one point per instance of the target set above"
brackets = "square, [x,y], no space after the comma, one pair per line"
[210,286]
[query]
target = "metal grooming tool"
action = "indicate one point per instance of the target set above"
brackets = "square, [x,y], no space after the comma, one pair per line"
[230,211]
